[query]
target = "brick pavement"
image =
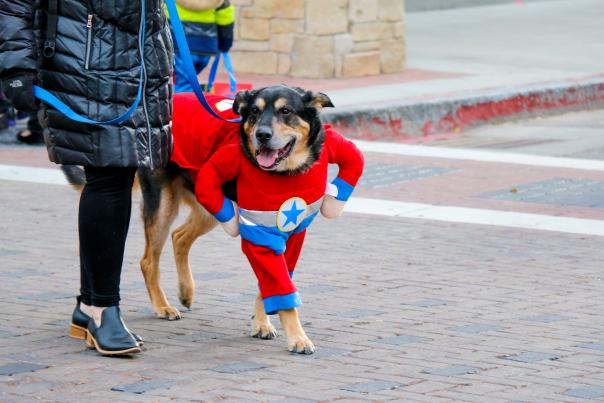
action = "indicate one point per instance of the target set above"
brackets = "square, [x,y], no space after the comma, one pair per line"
[400,309]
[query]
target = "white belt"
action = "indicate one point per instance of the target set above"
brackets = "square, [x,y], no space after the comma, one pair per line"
[269,218]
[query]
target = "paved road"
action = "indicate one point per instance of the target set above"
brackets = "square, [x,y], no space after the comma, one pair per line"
[434,308]
[537,41]
[576,135]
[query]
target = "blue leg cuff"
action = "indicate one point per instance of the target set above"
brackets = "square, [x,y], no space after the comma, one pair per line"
[278,302]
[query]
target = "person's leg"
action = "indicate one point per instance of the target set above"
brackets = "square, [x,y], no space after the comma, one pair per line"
[85,292]
[104,217]
[200,62]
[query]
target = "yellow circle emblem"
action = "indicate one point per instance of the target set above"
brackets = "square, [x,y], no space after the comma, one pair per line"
[291,214]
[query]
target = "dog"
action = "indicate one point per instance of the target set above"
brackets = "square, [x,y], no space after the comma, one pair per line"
[280,135]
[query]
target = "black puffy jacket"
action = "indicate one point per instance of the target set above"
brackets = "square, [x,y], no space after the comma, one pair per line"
[95,70]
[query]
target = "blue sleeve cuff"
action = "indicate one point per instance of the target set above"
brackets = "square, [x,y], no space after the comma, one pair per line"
[344,189]
[226,212]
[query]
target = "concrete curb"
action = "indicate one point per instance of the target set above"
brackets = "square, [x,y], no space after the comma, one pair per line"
[437,5]
[412,119]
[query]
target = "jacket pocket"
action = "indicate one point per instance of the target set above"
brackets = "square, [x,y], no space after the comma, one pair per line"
[88,41]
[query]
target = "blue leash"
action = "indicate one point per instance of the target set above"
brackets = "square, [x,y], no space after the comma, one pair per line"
[179,35]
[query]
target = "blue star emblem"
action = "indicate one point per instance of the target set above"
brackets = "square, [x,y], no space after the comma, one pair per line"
[292,214]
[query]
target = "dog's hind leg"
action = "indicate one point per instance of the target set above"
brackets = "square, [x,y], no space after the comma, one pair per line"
[262,327]
[160,207]
[197,224]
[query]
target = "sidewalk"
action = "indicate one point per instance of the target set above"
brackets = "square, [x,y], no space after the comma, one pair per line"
[472,66]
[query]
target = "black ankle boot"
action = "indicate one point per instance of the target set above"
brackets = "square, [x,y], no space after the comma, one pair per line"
[79,324]
[112,337]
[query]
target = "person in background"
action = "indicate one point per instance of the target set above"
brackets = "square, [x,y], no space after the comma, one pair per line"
[30,130]
[33,132]
[5,112]
[208,26]
[88,54]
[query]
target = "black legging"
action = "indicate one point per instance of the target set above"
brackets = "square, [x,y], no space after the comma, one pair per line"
[104,217]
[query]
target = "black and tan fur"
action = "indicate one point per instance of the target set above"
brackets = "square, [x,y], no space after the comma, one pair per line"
[290,113]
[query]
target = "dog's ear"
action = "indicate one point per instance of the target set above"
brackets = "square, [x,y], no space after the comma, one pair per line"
[317,100]
[242,100]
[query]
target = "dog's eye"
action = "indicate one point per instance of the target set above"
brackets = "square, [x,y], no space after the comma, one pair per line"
[254,110]
[285,111]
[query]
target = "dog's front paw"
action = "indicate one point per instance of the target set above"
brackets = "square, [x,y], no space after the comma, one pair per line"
[300,345]
[263,330]
[168,312]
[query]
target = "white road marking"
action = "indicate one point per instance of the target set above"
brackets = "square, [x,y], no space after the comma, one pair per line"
[387,208]
[476,216]
[19,173]
[479,155]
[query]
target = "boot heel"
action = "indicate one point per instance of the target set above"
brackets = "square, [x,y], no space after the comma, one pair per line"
[77,332]
[89,340]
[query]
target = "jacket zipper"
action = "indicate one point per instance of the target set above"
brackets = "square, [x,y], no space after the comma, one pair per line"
[144,98]
[144,101]
[88,41]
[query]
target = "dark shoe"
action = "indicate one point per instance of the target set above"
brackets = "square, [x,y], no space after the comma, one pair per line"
[79,324]
[112,337]
[30,137]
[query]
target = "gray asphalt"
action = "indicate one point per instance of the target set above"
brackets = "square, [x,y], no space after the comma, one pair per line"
[576,135]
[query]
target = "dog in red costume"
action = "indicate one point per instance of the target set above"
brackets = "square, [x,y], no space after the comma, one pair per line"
[278,157]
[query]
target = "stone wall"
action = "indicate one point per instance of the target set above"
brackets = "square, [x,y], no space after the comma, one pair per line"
[319,38]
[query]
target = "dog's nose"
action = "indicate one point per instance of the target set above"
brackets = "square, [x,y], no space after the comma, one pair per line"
[264,134]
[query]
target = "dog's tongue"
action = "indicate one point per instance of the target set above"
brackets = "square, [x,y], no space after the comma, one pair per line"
[267,157]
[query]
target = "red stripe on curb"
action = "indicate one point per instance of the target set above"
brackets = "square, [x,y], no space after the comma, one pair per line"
[408,122]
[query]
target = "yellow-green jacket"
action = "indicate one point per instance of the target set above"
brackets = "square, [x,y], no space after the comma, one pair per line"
[208,24]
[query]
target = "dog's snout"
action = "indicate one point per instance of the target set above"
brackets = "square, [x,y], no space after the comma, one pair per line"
[264,134]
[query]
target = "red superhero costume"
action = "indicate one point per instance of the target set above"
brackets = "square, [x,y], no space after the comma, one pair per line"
[274,209]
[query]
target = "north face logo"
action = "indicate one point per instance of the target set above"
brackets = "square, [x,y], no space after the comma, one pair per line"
[16,84]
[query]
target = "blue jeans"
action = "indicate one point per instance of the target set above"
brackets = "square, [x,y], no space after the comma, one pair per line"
[181,84]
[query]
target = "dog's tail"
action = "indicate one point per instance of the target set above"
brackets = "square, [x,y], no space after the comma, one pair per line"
[75,176]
